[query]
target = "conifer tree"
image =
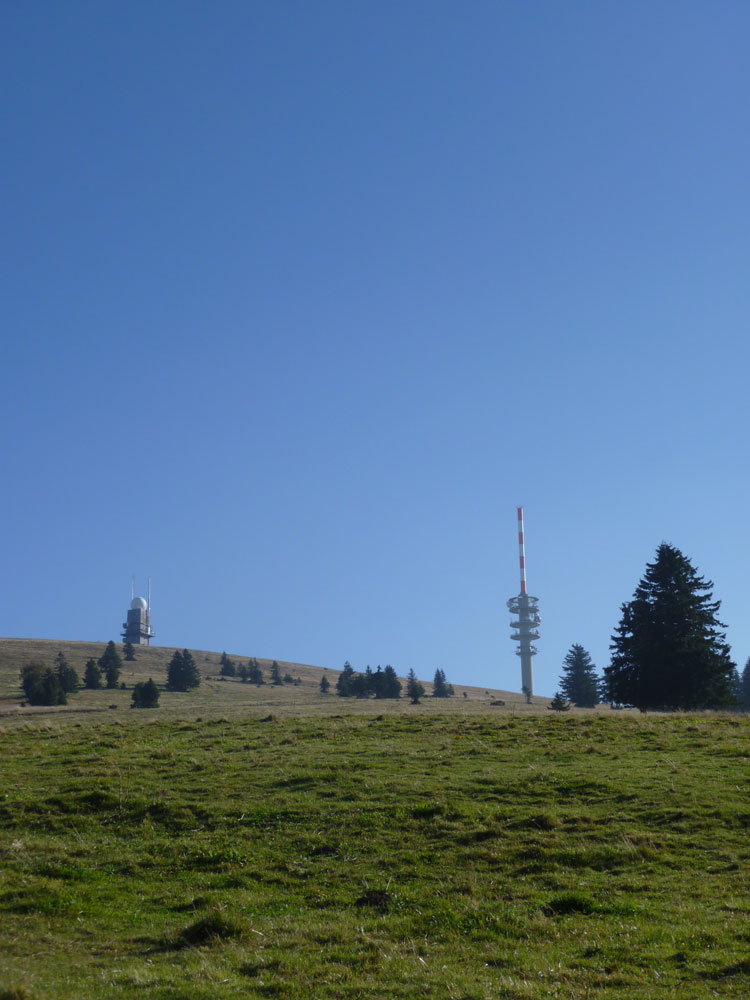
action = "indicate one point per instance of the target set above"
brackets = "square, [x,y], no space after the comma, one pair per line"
[558,703]
[128,651]
[668,651]
[276,673]
[254,672]
[66,674]
[579,682]
[391,685]
[41,685]
[414,689]
[182,673]
[111,664]
[440,687]
[228,668]
[344,683]
[92,675]
[145,695]
[325,684]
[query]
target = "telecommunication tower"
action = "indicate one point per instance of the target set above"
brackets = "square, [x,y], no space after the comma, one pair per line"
[526,610]
[138,626]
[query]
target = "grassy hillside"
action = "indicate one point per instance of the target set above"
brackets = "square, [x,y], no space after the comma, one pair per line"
[215,696]
[415,855]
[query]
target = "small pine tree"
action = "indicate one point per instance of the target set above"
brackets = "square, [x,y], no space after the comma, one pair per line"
[276,673]
[182,672]
[66,674]
[254,673]
[414,689]
[242,672]
[145,695]
[391,685]
[228,668]
[325,685]
[558,703]
[92,675]
[344,683]
[176,673]
[579,682]
[111,664]
[128,651]
[440,687]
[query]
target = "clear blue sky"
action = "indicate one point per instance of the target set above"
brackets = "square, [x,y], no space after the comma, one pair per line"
[300,299]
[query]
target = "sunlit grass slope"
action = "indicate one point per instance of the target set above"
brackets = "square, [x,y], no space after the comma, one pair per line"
[216,695]
[414,855]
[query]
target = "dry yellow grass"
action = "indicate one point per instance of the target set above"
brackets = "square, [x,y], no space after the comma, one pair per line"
[221,696]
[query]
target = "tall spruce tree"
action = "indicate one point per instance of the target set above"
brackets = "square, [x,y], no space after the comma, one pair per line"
[111,664]
[669,651]
[182,673]
[579,682]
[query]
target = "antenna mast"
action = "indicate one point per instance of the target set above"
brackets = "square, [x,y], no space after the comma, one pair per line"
[526,609]
[148,614]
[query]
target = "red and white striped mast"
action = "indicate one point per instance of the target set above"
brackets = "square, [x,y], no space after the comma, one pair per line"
[526,610]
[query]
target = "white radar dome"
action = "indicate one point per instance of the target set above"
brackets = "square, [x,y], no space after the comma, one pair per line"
[138,604]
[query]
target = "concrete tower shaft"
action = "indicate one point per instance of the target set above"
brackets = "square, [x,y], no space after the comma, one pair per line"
[527,620]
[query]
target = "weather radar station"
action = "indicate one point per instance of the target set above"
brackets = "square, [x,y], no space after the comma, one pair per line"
[526,610]
[137,629]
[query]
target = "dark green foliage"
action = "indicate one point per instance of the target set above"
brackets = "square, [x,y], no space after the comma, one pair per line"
[414,689]
[242,672]
[558,703]
[145,695]
[325,684]
[276,677]
[66,675]
[579,682]
[288,679]
[92,675]
[110,664]
[381,683]
[254,672]
[182,673]
[390,686]
[745,685]
[228,668]
[668,651]
[360,686]
[41,685]
[440,687]
[344,683]
[128,651]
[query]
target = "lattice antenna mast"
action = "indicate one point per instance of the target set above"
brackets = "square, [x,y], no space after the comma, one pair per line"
[526,610]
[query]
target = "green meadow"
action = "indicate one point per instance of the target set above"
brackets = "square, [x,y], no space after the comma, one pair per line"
[457,851]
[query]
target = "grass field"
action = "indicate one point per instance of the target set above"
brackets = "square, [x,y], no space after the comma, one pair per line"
[356,852]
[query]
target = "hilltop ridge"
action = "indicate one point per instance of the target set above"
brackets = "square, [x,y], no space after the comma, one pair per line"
[217,694]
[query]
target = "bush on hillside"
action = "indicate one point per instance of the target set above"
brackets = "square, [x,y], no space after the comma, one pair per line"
[41,685]
[145,695]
